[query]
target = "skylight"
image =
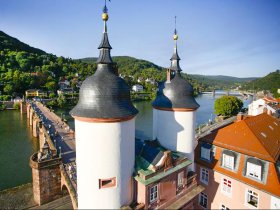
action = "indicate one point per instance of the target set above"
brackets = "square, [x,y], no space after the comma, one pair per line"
[275,123]
[263,134]
[271,127]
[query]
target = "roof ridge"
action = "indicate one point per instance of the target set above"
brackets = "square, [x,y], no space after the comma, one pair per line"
[263,145]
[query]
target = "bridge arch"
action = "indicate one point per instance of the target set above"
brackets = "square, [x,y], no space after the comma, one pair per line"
[66,186]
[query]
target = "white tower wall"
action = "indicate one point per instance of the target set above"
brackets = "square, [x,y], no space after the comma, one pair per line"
[103,151]
[175,130]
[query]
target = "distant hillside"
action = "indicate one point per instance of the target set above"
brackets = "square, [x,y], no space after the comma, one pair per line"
[138,68]
[10,43]
[270,82]
[23,67]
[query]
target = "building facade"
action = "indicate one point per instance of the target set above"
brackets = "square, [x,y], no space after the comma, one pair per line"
[239,165]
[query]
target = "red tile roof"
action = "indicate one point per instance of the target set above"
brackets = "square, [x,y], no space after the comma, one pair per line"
[257,136]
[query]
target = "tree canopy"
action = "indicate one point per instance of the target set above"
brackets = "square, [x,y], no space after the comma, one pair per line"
[228,106]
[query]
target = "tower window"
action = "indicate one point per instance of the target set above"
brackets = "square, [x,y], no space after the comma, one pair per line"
[104,183]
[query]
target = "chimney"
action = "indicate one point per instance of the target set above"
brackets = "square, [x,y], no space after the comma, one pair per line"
[240,116]
[168,75]
[269,112]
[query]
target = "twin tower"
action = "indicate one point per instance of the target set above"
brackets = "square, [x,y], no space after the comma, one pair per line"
[105,128]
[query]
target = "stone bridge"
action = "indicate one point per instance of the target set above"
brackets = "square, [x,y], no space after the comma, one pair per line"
[53,166]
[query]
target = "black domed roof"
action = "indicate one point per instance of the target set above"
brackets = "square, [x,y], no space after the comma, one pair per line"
[104,94]
[177,93]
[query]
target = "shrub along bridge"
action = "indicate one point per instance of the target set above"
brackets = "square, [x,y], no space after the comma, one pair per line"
[53,166]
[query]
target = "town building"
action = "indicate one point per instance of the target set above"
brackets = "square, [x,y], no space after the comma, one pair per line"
[35,92]
[137,88]
[239,164]
[269,104]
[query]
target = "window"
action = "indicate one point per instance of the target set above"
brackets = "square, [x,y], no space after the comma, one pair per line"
[228,161]
[226,186]
[153,193]
[254,170]
[180,178]
[252,198]
[204,175]
[223,207]
[206,152]
[104,183]
[203,200]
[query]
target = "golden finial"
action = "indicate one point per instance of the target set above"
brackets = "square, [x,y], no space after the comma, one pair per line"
[175,36]
[105,15]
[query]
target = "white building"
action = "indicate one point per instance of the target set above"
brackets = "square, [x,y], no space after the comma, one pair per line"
[137,88]
[262,105]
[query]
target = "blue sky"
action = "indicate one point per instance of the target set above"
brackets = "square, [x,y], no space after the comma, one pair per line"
[216,37]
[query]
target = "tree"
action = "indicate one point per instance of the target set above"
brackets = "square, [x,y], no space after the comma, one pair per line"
[228,106]
[52,85]
[8,89]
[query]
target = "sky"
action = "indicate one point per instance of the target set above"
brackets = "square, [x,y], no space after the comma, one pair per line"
[216,37]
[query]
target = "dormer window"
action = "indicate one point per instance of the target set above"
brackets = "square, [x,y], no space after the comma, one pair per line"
[254,168]
[206,152]
[228,159]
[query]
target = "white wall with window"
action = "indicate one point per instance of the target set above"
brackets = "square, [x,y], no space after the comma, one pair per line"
[274,203]
[203,200]
[254,170]
[226,187]
[228,161]
[153,193]
[251,198]
[204,175]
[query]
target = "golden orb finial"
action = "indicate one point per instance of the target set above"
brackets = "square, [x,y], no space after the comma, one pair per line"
[105,16]
[175,37]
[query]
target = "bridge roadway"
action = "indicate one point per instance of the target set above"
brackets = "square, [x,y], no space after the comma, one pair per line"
[63,138]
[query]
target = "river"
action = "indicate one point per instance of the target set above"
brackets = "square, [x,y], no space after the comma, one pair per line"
[17,143]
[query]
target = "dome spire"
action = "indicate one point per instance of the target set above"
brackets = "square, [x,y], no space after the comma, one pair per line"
[105,47]
[175,66]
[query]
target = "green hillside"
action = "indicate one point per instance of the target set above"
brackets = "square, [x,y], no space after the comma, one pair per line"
[10,43]
[23,67]
[270,82]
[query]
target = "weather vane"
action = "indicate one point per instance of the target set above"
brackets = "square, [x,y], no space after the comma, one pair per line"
[175,31]
[175,36]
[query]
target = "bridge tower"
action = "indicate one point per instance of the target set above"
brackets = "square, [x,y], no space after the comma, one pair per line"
[46,175]
[174,110]
[105,135]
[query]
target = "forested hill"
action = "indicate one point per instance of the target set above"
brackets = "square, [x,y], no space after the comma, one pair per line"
[10,43]
[137,68]
[270,82]
[24,67]
[140,68]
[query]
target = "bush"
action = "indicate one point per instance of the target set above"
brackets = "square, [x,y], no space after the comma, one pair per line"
[2,106]
[16,105]
[228,106]
[5,98]
[52,95]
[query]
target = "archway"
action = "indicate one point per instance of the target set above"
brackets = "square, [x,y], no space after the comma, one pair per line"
[66,202]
